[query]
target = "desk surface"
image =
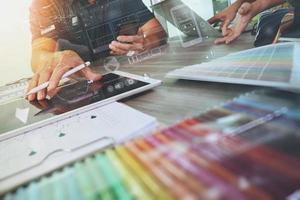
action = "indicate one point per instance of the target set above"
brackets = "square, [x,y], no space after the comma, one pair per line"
[178,99]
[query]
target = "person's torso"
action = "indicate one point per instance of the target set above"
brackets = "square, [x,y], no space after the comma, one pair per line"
[91,25]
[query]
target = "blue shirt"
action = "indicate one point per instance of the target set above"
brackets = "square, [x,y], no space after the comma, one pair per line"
[83,27]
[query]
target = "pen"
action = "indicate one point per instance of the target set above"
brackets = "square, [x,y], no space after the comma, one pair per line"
[68,73]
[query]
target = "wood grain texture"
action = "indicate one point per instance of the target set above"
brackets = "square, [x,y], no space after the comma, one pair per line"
[175,100]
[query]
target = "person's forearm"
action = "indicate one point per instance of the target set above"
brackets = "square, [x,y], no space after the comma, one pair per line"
[261,5]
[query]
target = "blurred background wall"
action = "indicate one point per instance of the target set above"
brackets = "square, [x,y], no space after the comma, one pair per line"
[15,41]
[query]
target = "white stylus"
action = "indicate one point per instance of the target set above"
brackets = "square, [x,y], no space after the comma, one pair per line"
[68,73]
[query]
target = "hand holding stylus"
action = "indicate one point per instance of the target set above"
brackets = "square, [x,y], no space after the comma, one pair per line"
[55,68]
[67,74]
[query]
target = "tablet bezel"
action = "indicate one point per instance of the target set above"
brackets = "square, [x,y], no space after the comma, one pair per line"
[151,84]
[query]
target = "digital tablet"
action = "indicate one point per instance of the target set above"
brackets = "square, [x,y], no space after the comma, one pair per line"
[20,115]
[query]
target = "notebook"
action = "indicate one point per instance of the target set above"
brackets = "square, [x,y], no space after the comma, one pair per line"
[276,65]
[41,150]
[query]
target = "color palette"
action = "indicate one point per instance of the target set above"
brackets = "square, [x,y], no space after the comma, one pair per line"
[246,149]
[275,65]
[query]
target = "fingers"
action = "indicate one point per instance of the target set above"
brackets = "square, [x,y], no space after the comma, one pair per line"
[128,47]
[232,38]
[57,75]
[92,1]
[53,69]
[119,48]
[123,46]
[52,93]
[225,27]
[44,77]
[113,53]
[37,105]
[43,104]
[220,40]
[117,51]
[228,39]
[33,83]
[243,19]
[126,44]
[90,75]
[130,39]
[214,19]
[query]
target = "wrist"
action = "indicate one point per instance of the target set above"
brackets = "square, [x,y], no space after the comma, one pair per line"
[58,54]
[259,5]
[239,3]
[236,5]
[256,8]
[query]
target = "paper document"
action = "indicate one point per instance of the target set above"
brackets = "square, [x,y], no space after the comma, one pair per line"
[34,153]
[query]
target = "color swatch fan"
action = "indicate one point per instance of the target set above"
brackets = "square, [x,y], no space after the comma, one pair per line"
[247,149]
[273,65]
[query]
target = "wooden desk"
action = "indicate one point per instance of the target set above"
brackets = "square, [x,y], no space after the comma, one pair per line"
[178,99]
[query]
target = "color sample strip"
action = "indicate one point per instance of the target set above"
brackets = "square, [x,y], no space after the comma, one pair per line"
[202,176]
[181,192]
[113,178]
[132,182]
[146,177]
[72,188]
[87,189]
[21,194]
[199,158]
[32,191]
[46,189]
[214,168]
[196,187]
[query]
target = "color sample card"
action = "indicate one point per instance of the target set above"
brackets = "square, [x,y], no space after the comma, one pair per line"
[275,65]
[248,148]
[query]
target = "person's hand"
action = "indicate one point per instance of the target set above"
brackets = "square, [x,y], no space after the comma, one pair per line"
[52,68]
[225,17]
[127,44]
[243,18]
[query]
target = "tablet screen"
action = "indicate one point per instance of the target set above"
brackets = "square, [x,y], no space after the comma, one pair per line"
[20,113]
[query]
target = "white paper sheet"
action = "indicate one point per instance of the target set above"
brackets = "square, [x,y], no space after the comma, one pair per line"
[41,150]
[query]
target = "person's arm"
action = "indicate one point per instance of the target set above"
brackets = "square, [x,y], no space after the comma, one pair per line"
[228,15]
[261,5]
[245,13]
[150,35]
[47,63]
[153,33]
[42,50]
[50,65]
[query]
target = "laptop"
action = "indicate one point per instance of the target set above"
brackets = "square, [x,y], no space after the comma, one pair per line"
[276,65]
